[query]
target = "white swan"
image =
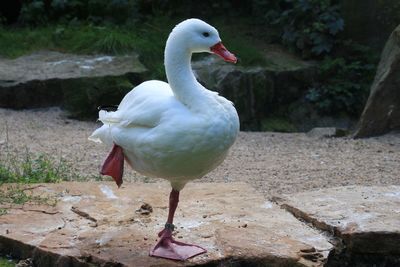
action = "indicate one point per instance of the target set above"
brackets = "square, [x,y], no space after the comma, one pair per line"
[178,131]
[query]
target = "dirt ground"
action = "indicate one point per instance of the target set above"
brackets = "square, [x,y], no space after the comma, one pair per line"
[273,163]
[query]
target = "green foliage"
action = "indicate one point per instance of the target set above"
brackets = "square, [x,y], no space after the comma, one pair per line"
[15,43]
[39,12]
[27,170]
[93,39]
[40,169]
[4,262]
[345,82]
[114,43]
[309,26]
[33,13]
[74,39]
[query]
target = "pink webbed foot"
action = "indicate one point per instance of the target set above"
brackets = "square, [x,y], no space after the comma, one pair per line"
[169,248]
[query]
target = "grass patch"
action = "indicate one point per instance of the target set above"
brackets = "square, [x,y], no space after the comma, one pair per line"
[16,42]
[74,39]
[19,173]
[148,41]
[18,194]
[35,169]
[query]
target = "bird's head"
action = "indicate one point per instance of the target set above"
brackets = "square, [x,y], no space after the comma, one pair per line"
[197,36]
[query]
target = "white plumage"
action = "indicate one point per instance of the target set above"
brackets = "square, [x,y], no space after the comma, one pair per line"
[178,131]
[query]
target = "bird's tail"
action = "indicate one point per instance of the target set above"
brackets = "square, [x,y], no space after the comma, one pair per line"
[103,134]
[109,117]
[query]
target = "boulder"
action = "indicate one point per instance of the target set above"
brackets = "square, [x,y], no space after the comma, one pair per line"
[363,220]
[382,111]
[78,82]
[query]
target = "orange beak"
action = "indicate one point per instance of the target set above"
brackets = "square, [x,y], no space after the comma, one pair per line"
[220,50]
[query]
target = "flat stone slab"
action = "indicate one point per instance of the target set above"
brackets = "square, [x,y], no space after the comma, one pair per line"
[367,219]
[46,65]
[96,223]
[76,82]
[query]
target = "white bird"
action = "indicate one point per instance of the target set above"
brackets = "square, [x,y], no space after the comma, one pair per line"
[178,130]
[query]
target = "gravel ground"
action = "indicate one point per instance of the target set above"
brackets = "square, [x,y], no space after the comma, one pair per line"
[273,163]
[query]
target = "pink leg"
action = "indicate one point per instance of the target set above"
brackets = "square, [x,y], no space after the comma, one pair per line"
[114,164]
[169,248]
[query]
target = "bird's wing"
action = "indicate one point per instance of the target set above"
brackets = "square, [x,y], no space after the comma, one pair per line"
[144,106]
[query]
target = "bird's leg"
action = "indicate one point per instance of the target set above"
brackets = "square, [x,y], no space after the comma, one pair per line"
[114,164]
[173,204]
[169,248]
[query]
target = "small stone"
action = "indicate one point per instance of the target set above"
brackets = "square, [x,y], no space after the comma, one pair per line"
[206,236]
[324,132]
[145,209]
[308,250]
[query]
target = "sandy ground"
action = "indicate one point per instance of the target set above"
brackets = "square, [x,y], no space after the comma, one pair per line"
[273,163]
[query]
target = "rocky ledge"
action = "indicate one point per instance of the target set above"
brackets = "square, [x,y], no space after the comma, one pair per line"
[365,221]
[80,83]
[98,224]
[77,82]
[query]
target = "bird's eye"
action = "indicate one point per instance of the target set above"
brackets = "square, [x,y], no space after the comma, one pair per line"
[206,34]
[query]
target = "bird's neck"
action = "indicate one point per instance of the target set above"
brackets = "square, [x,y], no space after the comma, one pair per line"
[181,79]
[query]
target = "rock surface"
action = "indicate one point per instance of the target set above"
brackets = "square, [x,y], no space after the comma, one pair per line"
[49,78]
[382,111]
[366,219]
[94,223]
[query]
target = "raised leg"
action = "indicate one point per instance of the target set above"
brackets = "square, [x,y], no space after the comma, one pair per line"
[169,248]
[114,164]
